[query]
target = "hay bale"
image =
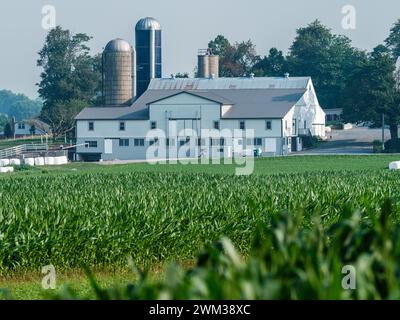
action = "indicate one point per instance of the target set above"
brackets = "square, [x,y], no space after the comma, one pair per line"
[49,161]
[395,165]
[6,169]
[15,162]
[4,162]
[61,160]
[39,161]
[29,161]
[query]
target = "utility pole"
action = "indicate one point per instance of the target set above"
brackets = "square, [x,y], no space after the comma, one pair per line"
[383,132]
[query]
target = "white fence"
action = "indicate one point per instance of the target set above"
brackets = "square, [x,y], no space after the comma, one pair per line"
[20,150]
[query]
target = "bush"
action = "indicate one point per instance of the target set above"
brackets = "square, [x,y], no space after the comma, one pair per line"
[392,146]
[310,141]
[377,146]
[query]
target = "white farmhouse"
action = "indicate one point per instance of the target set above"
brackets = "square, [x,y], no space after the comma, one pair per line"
[271,115]
[30,127]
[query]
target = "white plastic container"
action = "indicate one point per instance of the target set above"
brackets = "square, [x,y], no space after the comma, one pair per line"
[49,161]
[61,160]
[64,160]
[4,162]
[6,169]
[39,161]
[29,161]
[395,165]
[57,161]
[15,162]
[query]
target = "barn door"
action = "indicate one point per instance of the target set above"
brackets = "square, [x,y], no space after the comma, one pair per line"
[108,146]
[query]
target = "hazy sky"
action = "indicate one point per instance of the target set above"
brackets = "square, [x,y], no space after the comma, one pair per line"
[187,26]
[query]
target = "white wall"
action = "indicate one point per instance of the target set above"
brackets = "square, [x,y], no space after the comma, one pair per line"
[308,109]
[110,129]
[26,131]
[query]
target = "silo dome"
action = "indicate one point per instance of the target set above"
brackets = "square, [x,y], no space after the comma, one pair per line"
[148,23]
[118,45]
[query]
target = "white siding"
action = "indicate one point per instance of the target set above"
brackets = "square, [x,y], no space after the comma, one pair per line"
[110,129]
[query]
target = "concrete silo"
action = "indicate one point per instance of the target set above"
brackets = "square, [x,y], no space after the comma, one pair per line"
[148,52]
[119,76]
[208,64]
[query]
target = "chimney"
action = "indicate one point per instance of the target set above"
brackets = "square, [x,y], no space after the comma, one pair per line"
[287,75]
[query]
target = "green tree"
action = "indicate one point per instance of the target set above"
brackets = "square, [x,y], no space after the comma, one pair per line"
[329,59]
[371,91]
[236,60]
[8,130]
[70,75]
[61,117]
[18,105]
[3,121]
[219,45]
[393,40]
[273,65]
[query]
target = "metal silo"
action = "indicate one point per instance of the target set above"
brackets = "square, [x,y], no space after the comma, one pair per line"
[208,64]
[118,77]
[148,52]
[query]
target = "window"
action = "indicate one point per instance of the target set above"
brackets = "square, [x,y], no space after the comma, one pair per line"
[122,126]
[124,142]
[200,142]
[170,142]
[91,126]
[216,125]
[139,142]
[258,142]
[268,125]
[217,142]
[242,125]
[21,126]
[153,125]
[153,142]
[91,144]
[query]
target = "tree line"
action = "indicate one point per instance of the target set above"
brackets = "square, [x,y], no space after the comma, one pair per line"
[363,83]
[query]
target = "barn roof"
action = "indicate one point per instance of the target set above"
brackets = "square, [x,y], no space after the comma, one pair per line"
[249,97]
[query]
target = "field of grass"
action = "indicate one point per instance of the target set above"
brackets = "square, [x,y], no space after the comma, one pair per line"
[102,216]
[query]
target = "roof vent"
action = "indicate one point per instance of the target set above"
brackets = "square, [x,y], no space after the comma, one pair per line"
[252,75]
[172,76]
[212,76]
[287,75]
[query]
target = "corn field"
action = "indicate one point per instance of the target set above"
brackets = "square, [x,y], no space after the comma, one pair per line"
[103,219]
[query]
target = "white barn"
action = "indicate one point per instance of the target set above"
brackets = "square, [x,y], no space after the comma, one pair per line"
[277,112]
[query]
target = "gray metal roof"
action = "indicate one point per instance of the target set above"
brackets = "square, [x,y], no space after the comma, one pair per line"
[230,83]
[148,23]
[246,103]
[118,45]
[112,113]
[261,103]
